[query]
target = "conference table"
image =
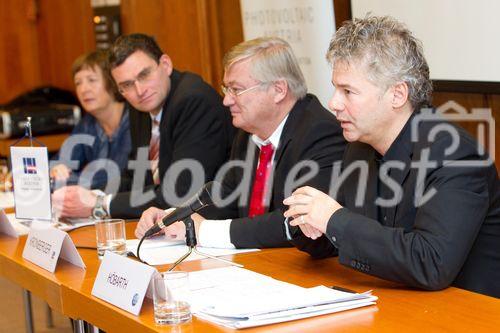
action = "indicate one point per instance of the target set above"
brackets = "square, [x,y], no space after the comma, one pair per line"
[399,308]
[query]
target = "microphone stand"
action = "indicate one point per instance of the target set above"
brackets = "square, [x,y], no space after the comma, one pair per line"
[191,243]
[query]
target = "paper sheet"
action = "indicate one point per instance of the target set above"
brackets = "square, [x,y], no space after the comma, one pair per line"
[22,226]
[239,298]
[6,227]
[159,251]
[74,223]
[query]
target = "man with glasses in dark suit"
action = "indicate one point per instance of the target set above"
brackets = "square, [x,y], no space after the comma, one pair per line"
[176,118]
[286,138]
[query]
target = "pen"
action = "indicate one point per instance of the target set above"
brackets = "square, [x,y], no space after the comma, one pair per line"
[343,289]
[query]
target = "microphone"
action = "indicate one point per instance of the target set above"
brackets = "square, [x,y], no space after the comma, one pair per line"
[202,199]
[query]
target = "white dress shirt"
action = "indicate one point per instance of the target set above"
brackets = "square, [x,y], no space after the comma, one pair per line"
[216,233]
[107,199]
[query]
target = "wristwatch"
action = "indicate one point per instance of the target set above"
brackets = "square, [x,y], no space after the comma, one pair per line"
[99,212]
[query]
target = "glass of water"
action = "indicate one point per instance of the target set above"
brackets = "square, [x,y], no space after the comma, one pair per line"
[110,236]
[171,298]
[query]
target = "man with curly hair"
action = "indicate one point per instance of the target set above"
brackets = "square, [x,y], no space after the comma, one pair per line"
[419,202]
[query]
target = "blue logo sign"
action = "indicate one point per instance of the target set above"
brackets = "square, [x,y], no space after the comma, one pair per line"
[135,299]
[29,164]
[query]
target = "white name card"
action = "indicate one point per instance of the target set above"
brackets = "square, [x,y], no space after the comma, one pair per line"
[30,173]
[6,227]
[122,282]
[44,246]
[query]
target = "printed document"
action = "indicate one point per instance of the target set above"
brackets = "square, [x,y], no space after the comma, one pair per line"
[239,298]
[160,251]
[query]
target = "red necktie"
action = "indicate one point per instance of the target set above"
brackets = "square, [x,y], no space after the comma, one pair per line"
[154,151]
[257,201]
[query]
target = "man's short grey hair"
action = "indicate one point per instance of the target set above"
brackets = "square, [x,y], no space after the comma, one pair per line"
[272,59]
[390,52]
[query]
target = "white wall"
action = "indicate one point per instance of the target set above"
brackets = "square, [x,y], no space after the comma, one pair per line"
[461,38]
[308,25]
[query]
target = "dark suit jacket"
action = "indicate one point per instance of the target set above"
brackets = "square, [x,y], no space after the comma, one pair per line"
[451,238]
[194,125]
[311,133]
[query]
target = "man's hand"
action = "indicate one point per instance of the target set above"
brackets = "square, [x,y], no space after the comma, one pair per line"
[60,172]
[148,218]
[177,230]
[307,229]
[74,201]
[197,218]
[311,210]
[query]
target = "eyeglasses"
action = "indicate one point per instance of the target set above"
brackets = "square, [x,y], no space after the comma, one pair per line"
[237,92]
[144,76]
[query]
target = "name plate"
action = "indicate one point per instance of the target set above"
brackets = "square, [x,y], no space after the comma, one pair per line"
[44,246]
[6,227]
[122,282]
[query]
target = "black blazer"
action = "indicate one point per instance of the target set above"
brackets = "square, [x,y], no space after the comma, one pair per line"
[194,125]
[451,238]
[310,133]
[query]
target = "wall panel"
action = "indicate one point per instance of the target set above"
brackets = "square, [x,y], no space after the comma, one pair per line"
[342,10]
[19,61]
[39,41]
[65,32]
[175,25]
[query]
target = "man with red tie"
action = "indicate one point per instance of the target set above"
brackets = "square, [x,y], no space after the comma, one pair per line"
[286,139]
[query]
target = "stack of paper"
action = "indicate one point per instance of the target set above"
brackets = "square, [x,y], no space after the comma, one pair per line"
[160,251]
[239,298]
[73,223]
